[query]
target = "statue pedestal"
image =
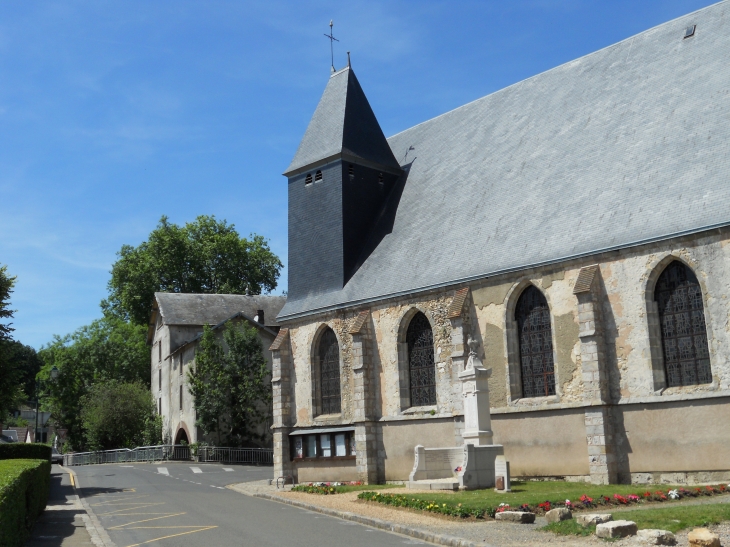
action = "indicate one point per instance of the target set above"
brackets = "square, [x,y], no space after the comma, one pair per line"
[475,391]
[466,467]
[472,465]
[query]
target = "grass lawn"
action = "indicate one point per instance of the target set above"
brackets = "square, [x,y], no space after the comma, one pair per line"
[664,518]
[534,492]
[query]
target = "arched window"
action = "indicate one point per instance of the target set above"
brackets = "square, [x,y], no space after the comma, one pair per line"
[308,179]
[536,344]
[329,373]
[318,176]
[421,365]
[682,319]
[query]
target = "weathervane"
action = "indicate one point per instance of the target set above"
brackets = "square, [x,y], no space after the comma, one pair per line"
[332,41]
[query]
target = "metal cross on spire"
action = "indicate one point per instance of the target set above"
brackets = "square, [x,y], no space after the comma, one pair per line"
[332,41]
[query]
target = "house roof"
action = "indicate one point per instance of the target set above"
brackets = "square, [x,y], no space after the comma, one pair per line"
[621,147]
[343,125]
[211,309]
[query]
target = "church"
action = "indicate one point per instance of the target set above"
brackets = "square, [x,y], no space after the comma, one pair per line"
[576,225]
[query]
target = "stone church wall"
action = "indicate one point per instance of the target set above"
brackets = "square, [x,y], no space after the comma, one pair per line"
[612,417]
[544,444]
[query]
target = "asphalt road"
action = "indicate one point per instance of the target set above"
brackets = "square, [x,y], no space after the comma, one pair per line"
[175,504]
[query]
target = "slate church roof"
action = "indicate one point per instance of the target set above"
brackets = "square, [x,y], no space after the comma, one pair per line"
[211,309]
[624,146]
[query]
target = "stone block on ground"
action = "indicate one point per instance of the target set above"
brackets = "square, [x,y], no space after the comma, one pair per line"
[522,517]
[556,515]
[593,519]
[702,537]
[616,529]
[657,537]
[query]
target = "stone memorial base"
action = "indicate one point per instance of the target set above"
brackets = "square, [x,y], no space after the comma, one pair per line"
[465,467]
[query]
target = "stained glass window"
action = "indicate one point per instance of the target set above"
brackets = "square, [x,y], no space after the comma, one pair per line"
[329,372]
[536,344]
[682,319]
[421,365]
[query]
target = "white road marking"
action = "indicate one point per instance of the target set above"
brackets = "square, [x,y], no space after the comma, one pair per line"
[227,469]
[196,469]
[163,471]
[126,466]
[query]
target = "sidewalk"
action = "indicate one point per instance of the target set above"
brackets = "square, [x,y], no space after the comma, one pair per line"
[65,522]
[443,530]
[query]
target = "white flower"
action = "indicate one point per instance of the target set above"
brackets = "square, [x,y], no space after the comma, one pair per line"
[674,494]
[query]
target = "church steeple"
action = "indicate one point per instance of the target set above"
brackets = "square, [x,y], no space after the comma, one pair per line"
[343,126]
[339,180]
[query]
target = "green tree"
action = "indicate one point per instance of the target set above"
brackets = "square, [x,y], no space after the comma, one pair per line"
[28,362]
[11,389]
[229,384]
[107,349]
[117,415]
[204,256]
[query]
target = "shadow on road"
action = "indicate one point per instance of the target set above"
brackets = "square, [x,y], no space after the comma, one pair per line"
[62,523]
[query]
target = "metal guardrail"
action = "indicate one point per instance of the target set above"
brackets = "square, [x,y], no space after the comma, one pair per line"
[172,452]
[256,456]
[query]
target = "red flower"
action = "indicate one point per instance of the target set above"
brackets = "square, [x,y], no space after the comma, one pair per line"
[620,499]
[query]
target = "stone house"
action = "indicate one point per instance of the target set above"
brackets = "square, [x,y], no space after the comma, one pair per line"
[575,224]
[174,331]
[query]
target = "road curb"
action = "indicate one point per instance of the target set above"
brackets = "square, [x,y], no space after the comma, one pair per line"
[99,535]
[425,535]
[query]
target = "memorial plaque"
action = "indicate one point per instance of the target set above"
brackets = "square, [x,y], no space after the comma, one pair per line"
[501,470]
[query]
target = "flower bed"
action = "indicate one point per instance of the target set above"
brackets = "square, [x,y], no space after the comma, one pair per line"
[584,502]
[400,500]
[326,488]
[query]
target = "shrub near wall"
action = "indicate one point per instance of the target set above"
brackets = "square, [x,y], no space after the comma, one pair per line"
[26,451]
[24,487]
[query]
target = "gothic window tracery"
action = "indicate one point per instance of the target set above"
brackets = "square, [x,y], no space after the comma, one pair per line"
[329,373]
[421,364]
[682,321]
[537,365]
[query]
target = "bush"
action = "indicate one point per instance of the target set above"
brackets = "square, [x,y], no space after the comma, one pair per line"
[28,451]
[24,487]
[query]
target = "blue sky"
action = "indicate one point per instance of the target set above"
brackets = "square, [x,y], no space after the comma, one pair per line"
[113,114]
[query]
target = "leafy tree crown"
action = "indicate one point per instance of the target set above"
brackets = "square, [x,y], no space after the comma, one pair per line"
[204,256]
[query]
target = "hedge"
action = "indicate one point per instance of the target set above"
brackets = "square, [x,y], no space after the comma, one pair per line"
[26,451]
[24,488]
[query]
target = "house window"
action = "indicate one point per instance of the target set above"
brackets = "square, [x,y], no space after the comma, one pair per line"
[181,364]
[181,397]
[337,445]
[159,351]
[329,373]
[318,176]
[351,171]
[160,406]
[682,320]
[421,364]
[159,379]
[537,366]
[308,179]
